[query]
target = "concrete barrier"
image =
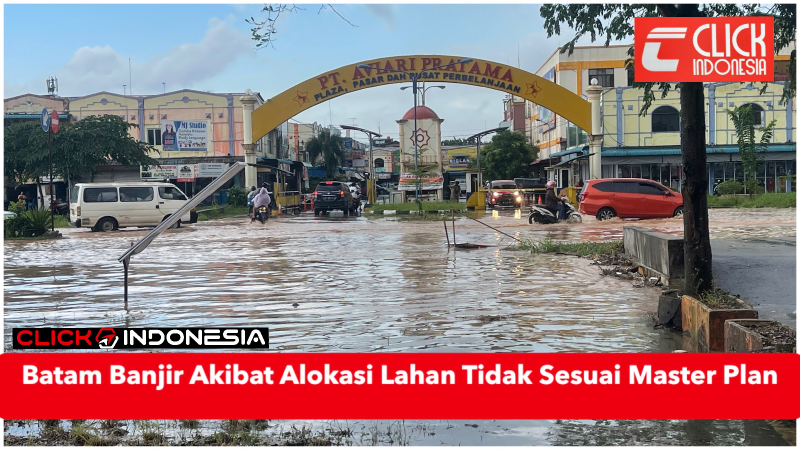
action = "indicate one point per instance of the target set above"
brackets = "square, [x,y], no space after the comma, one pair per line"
[659,253]
[742,336]
[707,325]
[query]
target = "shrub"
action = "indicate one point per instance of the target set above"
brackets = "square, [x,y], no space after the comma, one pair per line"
[237,196]
[38,222]
[753,188]
[730,187]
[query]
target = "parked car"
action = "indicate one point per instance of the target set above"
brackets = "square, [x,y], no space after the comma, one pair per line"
[8,215]
[629,198]
[109,206]
[333,195]
[503,193]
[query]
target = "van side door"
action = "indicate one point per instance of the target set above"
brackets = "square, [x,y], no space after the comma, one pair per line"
[170,200]
[139,204]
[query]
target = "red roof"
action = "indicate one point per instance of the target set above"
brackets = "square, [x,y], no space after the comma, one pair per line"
[423,112]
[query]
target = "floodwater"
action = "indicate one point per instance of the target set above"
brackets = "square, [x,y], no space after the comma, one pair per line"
[381,285]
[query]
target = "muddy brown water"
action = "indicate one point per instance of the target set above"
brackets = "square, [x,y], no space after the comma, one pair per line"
[380,285]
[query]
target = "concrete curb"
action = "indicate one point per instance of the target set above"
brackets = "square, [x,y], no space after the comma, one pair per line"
[392,212]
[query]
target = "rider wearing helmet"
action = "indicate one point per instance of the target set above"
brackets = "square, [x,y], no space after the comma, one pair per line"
[552,202]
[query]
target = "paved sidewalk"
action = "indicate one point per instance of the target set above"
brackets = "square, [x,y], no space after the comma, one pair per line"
[761,271]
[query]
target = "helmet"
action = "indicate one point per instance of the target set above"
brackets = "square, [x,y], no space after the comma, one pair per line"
[550,184]
[265,185]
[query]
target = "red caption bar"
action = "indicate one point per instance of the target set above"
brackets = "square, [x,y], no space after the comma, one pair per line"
[398,386]
[707,49]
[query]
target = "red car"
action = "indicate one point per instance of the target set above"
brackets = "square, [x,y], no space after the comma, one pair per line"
[503,193]
[629,198]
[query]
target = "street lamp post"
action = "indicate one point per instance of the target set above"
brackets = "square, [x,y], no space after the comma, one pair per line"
[424,89]
[477,138]
[414,77]
[370,169]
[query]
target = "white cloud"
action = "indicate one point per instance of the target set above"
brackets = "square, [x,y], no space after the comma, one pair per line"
[385,13]
[94,69]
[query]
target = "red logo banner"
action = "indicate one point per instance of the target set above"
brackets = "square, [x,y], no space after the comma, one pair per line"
[714,49]
[398,386]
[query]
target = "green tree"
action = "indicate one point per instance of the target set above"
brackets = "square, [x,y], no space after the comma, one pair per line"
[458,141]
[751,152]
[78,148]
[327,149]
[614,22]
[507,156]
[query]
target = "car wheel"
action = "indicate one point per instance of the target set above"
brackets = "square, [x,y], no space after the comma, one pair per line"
[106,224]
[530,219]
[678,211]
[606,213]
[174,225]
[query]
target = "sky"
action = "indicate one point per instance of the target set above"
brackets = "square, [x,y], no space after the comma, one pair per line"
[209,48]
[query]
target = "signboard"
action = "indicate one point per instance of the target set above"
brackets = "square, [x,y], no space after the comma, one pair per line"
[160,173]
[383,176]
[185,135]
[54,121]
[45,120]
[187,172]
[213,170]
[408,182]
[704,49]
[459,160]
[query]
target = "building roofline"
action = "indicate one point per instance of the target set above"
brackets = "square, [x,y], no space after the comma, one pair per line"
[55,97]
[580,47]
[136,97]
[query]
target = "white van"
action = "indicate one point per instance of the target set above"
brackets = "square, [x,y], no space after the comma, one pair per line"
[108,206]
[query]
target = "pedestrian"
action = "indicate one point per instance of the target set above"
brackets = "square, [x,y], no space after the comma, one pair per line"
[250,196]
[22,201]
[455,192]
[579,183]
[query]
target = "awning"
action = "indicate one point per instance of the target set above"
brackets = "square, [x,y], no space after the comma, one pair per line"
[562,163]
[570,151]
[676,150]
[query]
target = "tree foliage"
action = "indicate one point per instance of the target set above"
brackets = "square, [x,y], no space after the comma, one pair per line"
[328,150]
[78,148]
[458,141]
[264,29]
[507,156]
[751,152]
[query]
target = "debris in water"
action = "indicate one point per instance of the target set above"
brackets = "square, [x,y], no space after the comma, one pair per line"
[295,304]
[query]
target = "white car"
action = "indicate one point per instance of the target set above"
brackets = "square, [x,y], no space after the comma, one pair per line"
[8,215]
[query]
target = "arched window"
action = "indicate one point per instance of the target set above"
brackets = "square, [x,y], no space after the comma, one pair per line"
[666,120]
[757,111]
[379,162]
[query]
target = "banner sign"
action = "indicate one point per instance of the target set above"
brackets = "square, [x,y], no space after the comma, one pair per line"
[408,182]
[183,135]
[212,170]
[187,172]
[546,117]
[164,172]
[383,386]
[707,49]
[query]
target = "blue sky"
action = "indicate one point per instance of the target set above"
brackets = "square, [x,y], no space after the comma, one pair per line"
[208,47]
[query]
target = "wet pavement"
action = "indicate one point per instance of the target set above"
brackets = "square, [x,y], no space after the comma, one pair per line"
[376,285]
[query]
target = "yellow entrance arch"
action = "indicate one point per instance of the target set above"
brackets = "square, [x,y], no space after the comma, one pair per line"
[477,72]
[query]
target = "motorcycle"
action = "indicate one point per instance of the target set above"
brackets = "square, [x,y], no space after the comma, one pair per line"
[540,214]
[263,214]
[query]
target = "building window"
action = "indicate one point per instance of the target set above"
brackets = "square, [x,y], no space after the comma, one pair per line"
[154,136]
[757,113]
[378,162]
[665,120]
[605,77]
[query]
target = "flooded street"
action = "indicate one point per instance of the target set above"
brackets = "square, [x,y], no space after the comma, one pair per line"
[334,284]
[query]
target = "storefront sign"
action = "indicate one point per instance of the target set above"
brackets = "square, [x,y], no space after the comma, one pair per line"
[459,160]
[190,136]
[408,182]
[187,172]
[383,176]
[161,173]
[212,170]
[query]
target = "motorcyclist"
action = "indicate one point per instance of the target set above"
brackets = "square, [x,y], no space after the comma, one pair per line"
[265,185]
[551,201]
[261,199]
[250,196]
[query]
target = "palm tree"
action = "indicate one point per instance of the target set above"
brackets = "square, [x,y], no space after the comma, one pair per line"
[329,148]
